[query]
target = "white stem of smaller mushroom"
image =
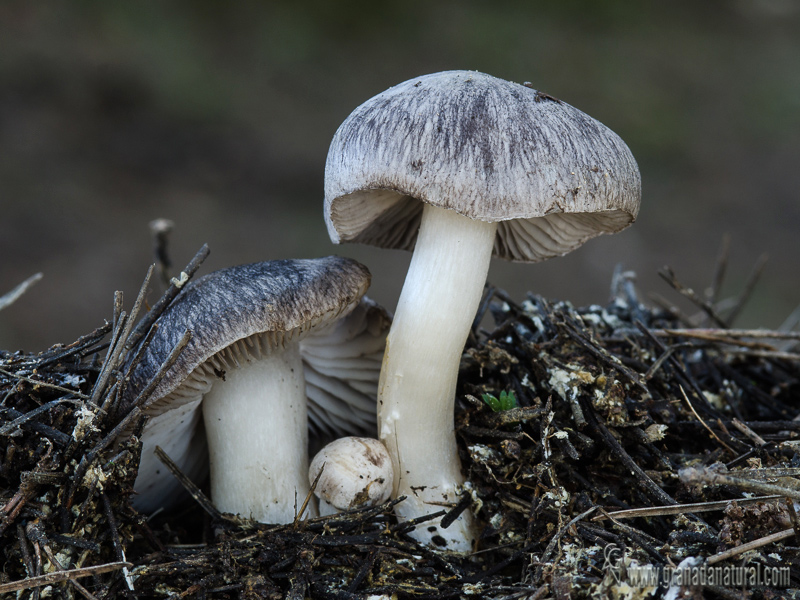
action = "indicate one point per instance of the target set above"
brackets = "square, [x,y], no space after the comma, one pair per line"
[416,393]
[257,429]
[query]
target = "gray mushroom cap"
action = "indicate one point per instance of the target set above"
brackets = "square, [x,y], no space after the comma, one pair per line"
[241,311]
[486,148]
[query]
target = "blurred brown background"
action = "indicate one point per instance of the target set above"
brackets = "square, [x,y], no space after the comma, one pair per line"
[218,116]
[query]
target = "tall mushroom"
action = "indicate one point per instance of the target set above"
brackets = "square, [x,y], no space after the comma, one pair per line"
[244,365]
[460,166]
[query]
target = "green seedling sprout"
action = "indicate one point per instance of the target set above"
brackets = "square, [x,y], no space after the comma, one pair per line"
[507,401]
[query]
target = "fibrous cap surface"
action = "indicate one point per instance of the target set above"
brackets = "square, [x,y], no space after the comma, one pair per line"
[486,148]
[240,313]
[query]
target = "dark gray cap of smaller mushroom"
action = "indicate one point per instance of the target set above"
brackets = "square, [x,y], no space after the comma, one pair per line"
[488,149]
[242,310]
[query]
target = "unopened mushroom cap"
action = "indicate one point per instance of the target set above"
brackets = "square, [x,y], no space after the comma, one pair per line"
[240,313]
[357,473]
[486,148]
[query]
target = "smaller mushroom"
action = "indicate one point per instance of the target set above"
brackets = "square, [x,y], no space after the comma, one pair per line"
[354,472]
[245,367]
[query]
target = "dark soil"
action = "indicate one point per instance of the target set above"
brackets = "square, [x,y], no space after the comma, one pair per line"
[620,406]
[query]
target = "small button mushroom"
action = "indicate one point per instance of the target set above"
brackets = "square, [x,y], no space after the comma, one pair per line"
[355,472]
[460,166]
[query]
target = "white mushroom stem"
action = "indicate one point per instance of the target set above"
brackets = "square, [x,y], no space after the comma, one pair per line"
[416,393]
[253,474]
